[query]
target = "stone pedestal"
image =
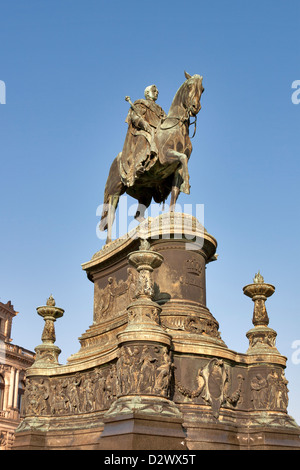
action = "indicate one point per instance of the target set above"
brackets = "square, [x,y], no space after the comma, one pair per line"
[144,415]
[142,431]
[152,371]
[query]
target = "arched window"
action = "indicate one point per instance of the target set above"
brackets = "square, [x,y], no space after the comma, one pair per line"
[20,394]
[2,385]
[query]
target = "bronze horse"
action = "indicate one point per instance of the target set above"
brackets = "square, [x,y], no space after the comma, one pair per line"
[169,173]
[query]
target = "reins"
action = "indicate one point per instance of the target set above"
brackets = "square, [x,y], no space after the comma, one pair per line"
[195,126]
[180,120]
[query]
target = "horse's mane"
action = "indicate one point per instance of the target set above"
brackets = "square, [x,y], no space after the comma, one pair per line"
[178,98]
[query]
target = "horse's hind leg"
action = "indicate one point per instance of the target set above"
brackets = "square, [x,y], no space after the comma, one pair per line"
[177,181]
[112,206]
[174,196]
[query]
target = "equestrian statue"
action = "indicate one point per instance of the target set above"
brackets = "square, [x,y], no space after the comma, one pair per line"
[154,159]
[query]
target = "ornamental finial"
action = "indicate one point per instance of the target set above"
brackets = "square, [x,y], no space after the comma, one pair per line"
[50,302]
[258,278]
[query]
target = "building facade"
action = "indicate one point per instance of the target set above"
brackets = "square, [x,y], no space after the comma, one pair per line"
[14,360]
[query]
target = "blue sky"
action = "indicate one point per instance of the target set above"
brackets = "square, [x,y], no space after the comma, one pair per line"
[67,66]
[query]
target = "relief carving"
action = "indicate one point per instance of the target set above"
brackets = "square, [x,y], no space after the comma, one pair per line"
[213,386]
[114,297]
[192,324]
[260,315]
[140,369]
[191,393]
[269,392]
[144,369]
[6,440]
[265,338]
[216,381]
[35,397]
[80,393]
[3,440]
[142,315]
[192,276]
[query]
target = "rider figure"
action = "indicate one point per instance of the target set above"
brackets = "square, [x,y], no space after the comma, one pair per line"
[139,152]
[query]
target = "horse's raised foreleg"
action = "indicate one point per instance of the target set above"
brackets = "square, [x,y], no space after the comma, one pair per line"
[172,156]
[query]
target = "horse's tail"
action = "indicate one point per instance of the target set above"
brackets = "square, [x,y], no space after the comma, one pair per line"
[113,189]
[103,221]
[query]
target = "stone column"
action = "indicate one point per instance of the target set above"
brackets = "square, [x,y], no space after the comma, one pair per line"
[5,390]
[11,388]
[16,393]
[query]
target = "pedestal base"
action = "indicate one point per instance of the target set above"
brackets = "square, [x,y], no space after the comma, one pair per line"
[147,423]
[179,385]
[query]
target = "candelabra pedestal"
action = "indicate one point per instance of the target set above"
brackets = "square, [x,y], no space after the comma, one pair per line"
[47,353]
[261,338]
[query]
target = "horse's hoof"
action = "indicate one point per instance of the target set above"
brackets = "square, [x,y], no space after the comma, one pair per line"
[140,218]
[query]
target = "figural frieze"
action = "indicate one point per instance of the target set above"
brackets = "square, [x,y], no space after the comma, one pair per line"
[140,369]
[144,369]
[114,297]
[269,391]
[75,394]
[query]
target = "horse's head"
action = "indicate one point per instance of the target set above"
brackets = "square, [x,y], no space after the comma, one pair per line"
[192,90]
